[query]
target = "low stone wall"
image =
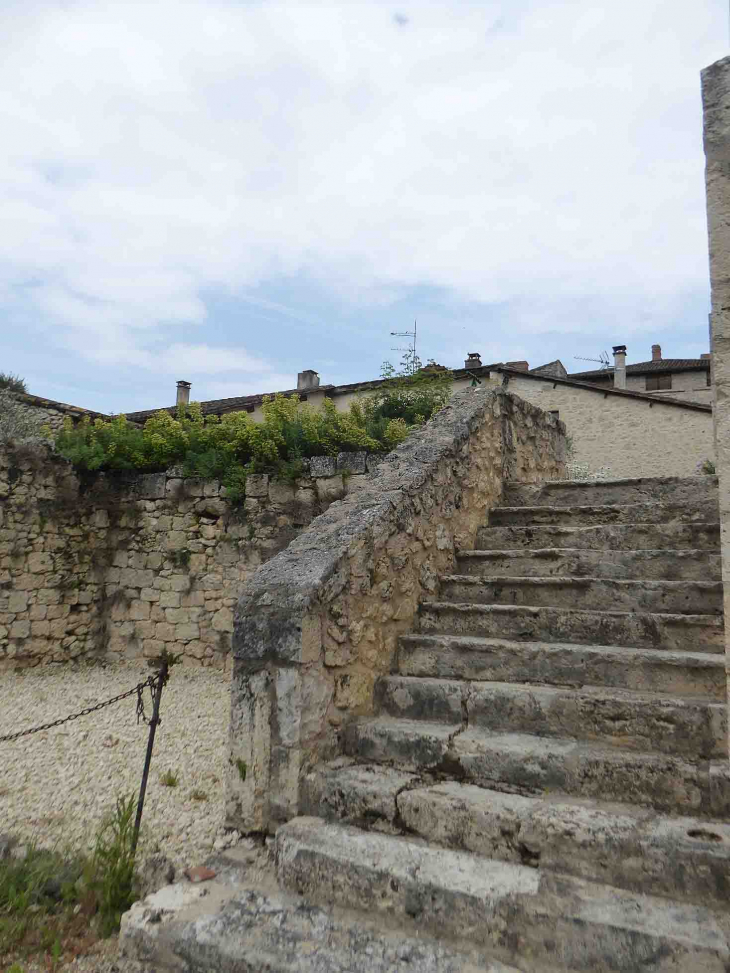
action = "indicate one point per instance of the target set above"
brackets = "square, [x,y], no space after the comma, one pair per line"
[318,624]
[127,565]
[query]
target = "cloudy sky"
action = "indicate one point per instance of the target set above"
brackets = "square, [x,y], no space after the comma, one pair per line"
[231,192]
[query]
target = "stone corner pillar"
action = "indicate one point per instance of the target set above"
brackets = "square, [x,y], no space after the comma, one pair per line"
[716,118]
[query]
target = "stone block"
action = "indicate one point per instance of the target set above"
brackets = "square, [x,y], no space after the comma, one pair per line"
[17,601]
[257,485]
[373,461]
[281,492]
[351,462]
[323,466]
[139,611]
[330,489]
[150,594]
[223,620]
[170,599]
[176,540]
[165,632]
[187,631]
[150,486]
[39,562]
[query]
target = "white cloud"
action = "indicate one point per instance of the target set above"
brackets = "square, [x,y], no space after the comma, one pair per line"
[526,153]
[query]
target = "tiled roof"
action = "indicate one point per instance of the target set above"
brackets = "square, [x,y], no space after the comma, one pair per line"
[642,368]
[242,403]
[72,410]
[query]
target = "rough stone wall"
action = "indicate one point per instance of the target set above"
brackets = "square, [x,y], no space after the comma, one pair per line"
[127,566]
[318,624]
[716,103]
[632,437]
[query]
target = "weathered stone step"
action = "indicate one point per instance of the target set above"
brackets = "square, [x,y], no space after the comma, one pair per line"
[526,764]
[594,594]
[570,493]
[640,721]
[615,537]
[623,845]
[514,910]
[663,565]
[219,927]
[645,630]
[586,516]
[500,660]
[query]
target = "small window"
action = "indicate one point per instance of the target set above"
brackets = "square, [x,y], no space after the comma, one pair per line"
[655,383]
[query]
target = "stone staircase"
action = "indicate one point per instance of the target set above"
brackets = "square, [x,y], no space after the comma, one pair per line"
[546,781]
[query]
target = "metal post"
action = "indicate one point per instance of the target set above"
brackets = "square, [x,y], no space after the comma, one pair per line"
[161,681]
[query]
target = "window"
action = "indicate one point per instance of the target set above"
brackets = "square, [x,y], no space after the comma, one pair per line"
[654,383]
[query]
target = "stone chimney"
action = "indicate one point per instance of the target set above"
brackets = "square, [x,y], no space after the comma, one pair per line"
[707,357]
[183,393]
[474,360]
[522,366]
[619,366]
[656,352]
[307,380]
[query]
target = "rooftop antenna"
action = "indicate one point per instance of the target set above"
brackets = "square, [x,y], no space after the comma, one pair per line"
[603,361]
[408,334]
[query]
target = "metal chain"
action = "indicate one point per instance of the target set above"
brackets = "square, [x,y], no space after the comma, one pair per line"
[151,681]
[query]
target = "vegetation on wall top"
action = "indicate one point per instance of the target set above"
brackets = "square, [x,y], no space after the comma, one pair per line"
[12,383]
[233,445]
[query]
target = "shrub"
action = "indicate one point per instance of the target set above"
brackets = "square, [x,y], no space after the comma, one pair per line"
[232,446]
[12,383]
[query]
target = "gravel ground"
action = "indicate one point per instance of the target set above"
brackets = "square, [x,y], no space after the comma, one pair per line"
[57,785]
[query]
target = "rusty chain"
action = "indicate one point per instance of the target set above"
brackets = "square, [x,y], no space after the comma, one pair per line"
[139,689]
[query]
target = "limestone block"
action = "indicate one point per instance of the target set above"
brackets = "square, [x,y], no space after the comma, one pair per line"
[187,631]
[223,620]
[170,599]
[175,540]
[323,466]
[17,601]
[351,462]
[39,562]
[139,611]
[330,489]
[281,492]
[257,485]
[150,486]
[150,594]
[165,632]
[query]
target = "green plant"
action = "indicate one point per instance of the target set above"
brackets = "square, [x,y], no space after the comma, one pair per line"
[242,768]
[13,383]
[169,779]
[198,795]
[113,864]
[708,468]
[180,559]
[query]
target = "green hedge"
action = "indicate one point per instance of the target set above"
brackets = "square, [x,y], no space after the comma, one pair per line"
[230,447]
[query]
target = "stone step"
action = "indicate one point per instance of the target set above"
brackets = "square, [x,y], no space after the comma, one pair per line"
[594,594]
[526,764]
[639,630]
[570,493]
[683,674]
[640,721]
[222,926]
[662,565]
[587,516]
[514,910]
[615,537]
[623,845]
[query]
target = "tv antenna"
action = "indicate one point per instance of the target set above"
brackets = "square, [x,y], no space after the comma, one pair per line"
[408,334]
[603,361]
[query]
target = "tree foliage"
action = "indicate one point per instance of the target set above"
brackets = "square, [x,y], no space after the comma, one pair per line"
[230,447]
[12,383]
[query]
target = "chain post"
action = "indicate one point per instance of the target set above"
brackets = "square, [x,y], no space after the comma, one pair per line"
[161,681]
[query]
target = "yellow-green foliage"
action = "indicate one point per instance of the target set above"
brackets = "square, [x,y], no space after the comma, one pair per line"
[230,447]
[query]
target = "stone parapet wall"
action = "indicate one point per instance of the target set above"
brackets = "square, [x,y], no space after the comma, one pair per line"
[318,624]
[124,566]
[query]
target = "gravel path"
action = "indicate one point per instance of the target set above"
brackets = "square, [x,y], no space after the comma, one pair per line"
[56,786]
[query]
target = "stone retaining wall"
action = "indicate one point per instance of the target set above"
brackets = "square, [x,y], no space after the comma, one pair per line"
[127,565]
[318,624]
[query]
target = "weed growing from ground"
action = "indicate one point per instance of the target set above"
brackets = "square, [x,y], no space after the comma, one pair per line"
[169,779]
[198,795]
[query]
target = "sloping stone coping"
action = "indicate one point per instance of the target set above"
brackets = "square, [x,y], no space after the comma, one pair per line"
[318,624]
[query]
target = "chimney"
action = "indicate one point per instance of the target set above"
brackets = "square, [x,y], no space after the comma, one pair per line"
[706,357]
[520,365]
[306,380]
[619,366]
[183,393]
[474,360]
[656,352]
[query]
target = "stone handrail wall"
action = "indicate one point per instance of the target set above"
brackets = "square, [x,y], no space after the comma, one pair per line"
[318,624]
[122,566]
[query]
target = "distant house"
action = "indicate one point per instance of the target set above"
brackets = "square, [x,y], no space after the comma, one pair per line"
[678,378]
